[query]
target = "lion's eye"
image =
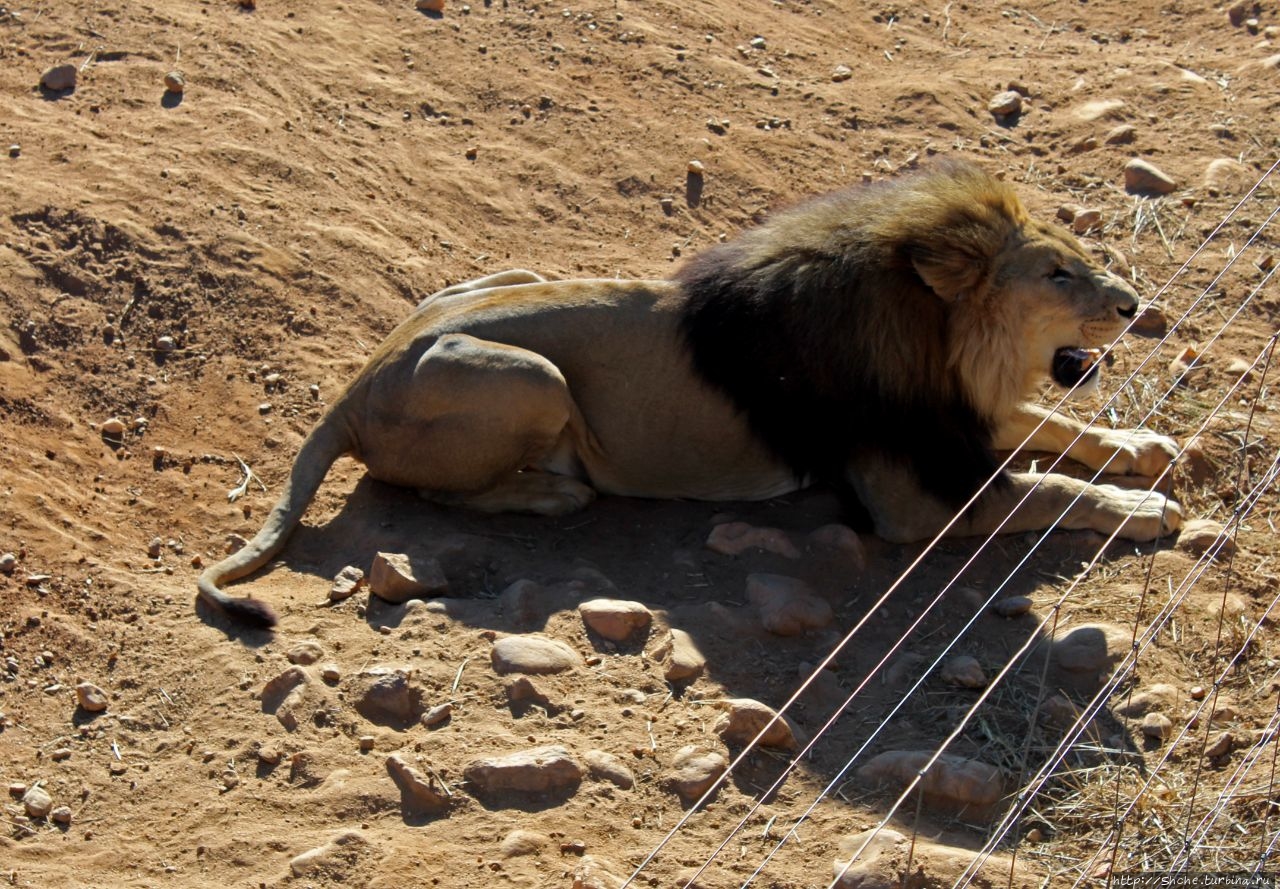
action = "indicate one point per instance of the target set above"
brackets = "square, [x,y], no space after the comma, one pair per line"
[1060,276]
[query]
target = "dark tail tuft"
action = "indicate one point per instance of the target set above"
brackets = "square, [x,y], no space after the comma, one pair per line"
[249,612]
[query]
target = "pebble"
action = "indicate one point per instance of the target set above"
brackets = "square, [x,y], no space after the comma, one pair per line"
[735,538]
[952,781]
[59,77]
[1086,220]
[346,584]
[155,548]
[15,150]
[522,692]
[1151,322]
[1158,696]
[1124,134]
[615,619]
[396,577]
[8,562]
[520,843]
[1157,726]
[418,792]
[1090,648]
[539,770]
[367,742]
[1199,536]
[330,672]
[37,801]
[165,344]
[1005,104]
[841,73]
[1183,364]
[437,714]
[684,661]
[1220,745]
[91,698]
[269,756]
[429,5]
[335,857]
[61,815]
[385,696]
[113,427]
[964,671]
[532,653]
[175,82]
[1240,368]
[607,767]
[305,653]
[788,606]
[596,873]
[747,718]
[1143,177]
[694,770]
[696,168]
[1012,606]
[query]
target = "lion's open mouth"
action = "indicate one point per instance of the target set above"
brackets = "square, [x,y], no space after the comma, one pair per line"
[1073,366]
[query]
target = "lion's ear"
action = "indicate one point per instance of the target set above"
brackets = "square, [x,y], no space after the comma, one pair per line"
[952,275]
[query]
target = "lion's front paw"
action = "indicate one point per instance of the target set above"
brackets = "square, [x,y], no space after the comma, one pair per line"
[1136,452]
[1138,514]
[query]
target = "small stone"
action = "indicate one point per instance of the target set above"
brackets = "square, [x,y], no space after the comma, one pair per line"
[8,562]
[1183,364]
[788,607]
[1157,726]
[165,344]
[15,150]
[694,770]
[1012,606]
[346,583]
[437,714]
[1225,175]
[113,428]
[429,5]
[1086,220]
[746,719]
[1200,536]
[384,695]
[1090,648]
[418,792]
[1158,696]
[305,653]
[61,815]
[684,662]
[841,73]
[1006,104]
[1241,369]
[1142,177]
[367,742]
[91,698]
[607,767]
[885,855]
[952,781]
[264,408]
[520,843]
[175,82]
[1124,134]
[963,671]
[696,168]
[615,619]
[397,578]
[59,78]
[540,770]
[734,538]
[336,855]
[1220,745]
[1150,323]
[471,153]
[330,672]
[533,654]
[269,756]
[61,754]
[1198,692]
[1238,12]
[37,802]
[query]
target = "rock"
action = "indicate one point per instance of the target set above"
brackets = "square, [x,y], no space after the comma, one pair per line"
[1142,177]
[1124,134]
[695,168]
[1240,368]
[1086,220]
[338,855]
[1239,12]
[694,770]
[1227,176]
[8,562]
[61,815]
[1157,726]
[175,82]
[595,873]
[165,344]
[842,541]
[59,78]
[155,548]
[385,696]
[367,743]
[1012,606]
[1220,745]
[305,653]
[533,653]
[1158,696]
[418,792]
[885,856]
[615,619]
[330,672]
[787,606]
[1099,109]
[1005,104]
[1090,648]
[1184,364]
[283,696]
[519,843]
[437,714]
[396,578]
[91,698]
[522,693]
[735,538]
[953,782]
[841,73]
[964,671]
[346,584]
[607,767]
[524,603]
[1200,536]
[113,427]
[540,770]
[745,720]
[1060,712]
[37,801]
[429,5]
[683,661]
[1151,323]
[1231,606]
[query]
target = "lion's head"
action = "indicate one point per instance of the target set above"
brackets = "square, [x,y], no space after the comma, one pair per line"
[905,319]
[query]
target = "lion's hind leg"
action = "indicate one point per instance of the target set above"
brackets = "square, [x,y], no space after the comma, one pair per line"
[509,278]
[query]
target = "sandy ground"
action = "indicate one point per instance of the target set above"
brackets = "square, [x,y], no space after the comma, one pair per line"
[211,267]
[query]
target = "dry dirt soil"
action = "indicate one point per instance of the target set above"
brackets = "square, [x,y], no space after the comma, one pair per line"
[211,267]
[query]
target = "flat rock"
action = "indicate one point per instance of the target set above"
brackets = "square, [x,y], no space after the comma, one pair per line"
[964,671]
[418,792]
[694,770]
[396,578]
[788,606]
[539,770]
[745,718]
[1124,134]
[1199,536]
[682,660]
[37,802]
[604,766]
[1159,696]
[615,619]
[884,856]
[953,782]
[59,77]
[1090,648]
[735,538]
[346,584]
[533,653]
[336,857]
[1012,606]
[520,843]
[305,653]
[91,698]
[1143,177]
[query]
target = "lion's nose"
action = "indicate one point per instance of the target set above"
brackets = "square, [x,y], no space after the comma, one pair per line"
[1128,309]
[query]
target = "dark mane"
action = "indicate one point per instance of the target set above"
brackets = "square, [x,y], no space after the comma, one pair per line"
[820,328]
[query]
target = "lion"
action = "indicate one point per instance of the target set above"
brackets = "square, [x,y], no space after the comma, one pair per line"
[881,341]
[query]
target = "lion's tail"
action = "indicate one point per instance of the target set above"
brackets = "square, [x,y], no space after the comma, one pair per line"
[327,442]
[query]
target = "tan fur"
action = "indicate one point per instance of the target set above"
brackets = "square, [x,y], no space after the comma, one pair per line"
[515,393]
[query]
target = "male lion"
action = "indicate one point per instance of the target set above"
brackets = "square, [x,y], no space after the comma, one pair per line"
[879,341]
